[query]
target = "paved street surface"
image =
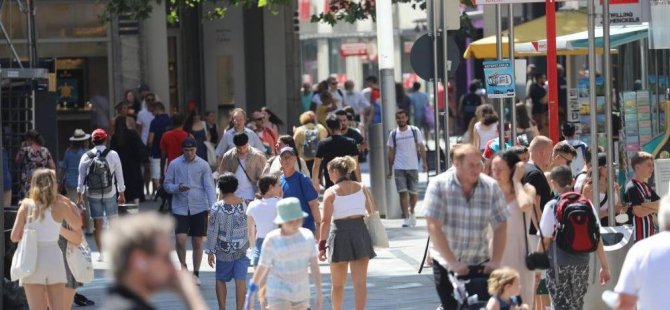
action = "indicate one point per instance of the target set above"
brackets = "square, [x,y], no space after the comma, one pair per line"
[393,281]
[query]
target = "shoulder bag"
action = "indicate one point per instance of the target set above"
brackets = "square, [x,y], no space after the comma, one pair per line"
[24,261]
[79,260]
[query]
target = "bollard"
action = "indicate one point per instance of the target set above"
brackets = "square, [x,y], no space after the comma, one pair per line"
[377,162]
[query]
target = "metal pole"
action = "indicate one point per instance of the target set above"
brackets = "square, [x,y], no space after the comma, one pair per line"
[433,32]
[643,62]
[592,100]
[2,214]
[552,76]
[510,43]
[386,72]
[608,110]
[445,83]
[377,163]
[501,101]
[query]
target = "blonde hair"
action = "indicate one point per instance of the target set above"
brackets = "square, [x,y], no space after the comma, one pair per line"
[500,279]
[464,150]
[343,165]
[307,118]
[43,191]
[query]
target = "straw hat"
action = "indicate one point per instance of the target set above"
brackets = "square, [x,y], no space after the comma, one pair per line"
[79,135]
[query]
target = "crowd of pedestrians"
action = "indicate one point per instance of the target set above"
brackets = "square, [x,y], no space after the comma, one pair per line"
[260,205]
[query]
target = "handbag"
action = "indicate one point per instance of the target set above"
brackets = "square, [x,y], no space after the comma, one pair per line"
[377,231]
[79,260]
[535,260]
[24,261]
[211,154]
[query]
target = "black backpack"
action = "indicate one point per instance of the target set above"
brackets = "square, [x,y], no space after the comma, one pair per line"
[577,229]
[99,176]
[416,140]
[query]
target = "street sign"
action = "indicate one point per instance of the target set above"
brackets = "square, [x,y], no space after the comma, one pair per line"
[353,49]
[624,12]
[421,56]
[499,79]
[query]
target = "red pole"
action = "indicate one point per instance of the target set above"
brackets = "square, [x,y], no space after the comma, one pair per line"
[550,10]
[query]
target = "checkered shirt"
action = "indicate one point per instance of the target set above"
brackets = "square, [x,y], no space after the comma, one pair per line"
[465,219]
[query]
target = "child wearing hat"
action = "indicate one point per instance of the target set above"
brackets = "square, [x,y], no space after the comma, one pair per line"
[285,255]
[228,240]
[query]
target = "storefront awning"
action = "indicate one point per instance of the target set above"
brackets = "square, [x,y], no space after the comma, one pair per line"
[567,22]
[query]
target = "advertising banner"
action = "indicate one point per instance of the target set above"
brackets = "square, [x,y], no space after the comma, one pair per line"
[499,79]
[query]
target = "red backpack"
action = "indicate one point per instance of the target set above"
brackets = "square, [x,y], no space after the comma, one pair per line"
[577,229]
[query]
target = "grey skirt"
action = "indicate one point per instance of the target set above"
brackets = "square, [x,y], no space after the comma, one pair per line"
[349,240]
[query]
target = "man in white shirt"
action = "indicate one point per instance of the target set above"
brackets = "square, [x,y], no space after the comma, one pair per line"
[355,100]
[101,184]
[645,272]
[405,146]
[239,120]
[569,132]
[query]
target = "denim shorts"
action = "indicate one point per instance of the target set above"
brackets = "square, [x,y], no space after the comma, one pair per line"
[256,256]
[101,207]
[237,269]
[406,180]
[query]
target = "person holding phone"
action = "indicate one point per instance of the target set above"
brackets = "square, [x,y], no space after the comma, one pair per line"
[189,180]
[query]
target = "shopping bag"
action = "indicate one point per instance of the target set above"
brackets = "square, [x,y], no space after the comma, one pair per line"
[377,231]
[211,155]
[24,261]
[79,260]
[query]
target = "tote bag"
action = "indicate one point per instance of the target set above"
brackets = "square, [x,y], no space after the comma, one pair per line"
[377,231]
[211,154]
[79,260]
[24,261]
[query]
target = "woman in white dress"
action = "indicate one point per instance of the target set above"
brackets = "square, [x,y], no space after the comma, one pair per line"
[508,169]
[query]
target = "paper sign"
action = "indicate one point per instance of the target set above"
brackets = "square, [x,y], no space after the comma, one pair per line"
[662,176]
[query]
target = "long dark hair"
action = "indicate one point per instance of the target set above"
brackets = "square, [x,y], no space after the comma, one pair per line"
[523,121]
[288,140]
[34,137]
[273,118]
[510,157]
[120,129]
[188,124]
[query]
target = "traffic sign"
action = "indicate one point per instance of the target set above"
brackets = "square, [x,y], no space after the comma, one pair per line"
[421,56]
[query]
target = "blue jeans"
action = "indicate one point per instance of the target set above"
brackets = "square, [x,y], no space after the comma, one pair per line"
[256,256]
[101,207]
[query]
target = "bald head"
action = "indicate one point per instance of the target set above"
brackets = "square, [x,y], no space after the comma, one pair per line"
[540,152]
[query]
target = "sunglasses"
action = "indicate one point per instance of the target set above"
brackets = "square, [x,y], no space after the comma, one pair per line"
[568,161]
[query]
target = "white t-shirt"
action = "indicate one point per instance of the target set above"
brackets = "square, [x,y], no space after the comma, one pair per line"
[406,156]
[486,134]
[645,272]
[578,162]
[144,118]
[264,212]
[244,188]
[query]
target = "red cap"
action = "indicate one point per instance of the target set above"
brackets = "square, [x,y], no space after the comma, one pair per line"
[99,134]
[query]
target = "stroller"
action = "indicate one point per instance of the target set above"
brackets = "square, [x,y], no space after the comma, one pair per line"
[471,290]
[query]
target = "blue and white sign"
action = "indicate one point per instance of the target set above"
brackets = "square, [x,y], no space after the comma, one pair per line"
[499,79]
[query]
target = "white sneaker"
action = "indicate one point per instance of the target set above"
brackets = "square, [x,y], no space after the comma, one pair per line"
[412,220]
[405,222]
[100,258]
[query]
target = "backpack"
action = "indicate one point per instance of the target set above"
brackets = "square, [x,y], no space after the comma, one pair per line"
[99,176]
[311,143]
[416,141]
[577,229]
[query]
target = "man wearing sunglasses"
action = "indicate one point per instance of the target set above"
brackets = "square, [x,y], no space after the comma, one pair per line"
[562,155]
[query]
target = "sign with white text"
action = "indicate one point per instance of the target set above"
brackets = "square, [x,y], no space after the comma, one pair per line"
[499,79]
[623,12]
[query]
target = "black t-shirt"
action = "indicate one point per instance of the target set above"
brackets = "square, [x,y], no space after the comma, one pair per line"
[536,93]
[354,135]
[562,93]
[636,193]
[120,298]
[331,147]
[533,175]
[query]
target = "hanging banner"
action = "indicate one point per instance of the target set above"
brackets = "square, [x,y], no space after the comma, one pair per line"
[659,24]
[499,79]
[624,12]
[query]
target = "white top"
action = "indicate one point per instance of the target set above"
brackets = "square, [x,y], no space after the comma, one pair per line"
[579,181]
[144,118]
[288,257]
[46,229]
[245,189]
[357,101]
[577,162]
[406,153]
[645,272]
[486,133]
[264,212]
[114,168]
[349,205]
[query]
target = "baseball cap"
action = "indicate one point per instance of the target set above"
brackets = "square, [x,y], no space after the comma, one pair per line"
[99,134]
[188,142]
[602,159]
[287,149]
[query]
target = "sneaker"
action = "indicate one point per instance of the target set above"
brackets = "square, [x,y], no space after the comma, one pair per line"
[405,222]
[100,258]
[412,220]
[197,280]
